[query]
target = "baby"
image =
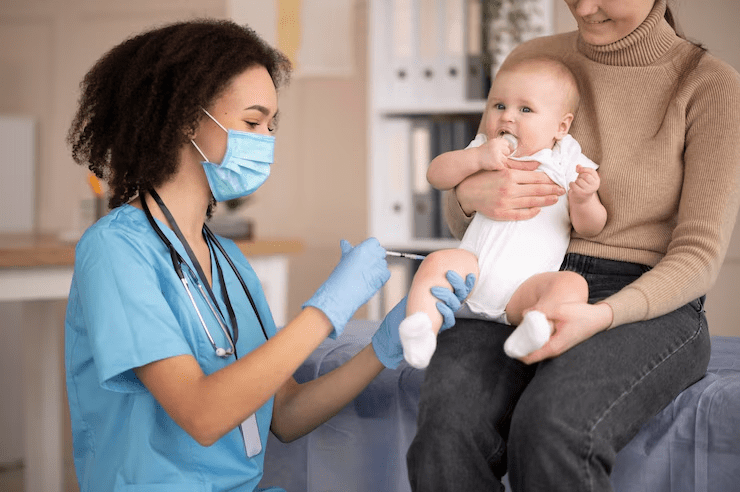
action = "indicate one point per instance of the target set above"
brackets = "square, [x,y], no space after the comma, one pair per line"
[531,106]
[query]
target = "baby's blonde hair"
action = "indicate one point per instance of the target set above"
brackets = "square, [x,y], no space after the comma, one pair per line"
[554,67]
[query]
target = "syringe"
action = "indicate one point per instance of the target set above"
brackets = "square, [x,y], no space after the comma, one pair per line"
[410,256]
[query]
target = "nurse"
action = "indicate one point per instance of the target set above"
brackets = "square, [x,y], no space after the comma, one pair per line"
[175,370]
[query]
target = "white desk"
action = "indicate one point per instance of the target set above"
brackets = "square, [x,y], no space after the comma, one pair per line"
[37,269]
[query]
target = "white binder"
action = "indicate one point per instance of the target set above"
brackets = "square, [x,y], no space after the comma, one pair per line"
[426,72]
[394,210]
[17,173]
[452,58]
[402,52]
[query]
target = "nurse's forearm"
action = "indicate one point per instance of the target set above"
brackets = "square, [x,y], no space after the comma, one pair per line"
[308,405]
[208,407]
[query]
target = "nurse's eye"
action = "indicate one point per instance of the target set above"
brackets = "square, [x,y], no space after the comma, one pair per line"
[273,126]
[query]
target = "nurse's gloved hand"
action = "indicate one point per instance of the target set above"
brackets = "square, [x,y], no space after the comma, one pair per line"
[451,302]
[361,271]
[386,341]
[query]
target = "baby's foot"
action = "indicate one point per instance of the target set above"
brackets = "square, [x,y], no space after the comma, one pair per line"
[418,339]
[532,333]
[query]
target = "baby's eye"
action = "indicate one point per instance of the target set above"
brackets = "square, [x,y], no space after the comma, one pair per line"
[499,106]
[525,109]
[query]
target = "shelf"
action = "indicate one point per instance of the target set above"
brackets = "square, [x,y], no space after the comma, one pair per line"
[39,250]
[439,108]
[422,245]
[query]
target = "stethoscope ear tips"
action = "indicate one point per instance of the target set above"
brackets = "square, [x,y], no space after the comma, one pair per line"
[221,352]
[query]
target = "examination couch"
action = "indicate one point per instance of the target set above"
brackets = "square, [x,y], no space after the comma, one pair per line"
[693,445]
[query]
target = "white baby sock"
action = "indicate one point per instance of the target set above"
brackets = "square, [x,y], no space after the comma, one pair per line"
[532,333]
[417,339]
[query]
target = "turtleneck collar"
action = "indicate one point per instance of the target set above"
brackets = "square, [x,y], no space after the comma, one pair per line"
[651,40]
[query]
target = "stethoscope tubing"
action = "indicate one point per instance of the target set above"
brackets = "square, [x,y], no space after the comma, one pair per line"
[200,316]
[178,261]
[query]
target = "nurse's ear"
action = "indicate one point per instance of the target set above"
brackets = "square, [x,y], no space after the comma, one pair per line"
[191,130]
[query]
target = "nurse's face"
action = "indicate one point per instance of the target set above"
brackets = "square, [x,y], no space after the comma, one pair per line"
[248,104]
[603,22]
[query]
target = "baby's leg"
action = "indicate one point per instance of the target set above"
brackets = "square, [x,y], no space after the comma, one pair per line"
[418,332]
[536,296]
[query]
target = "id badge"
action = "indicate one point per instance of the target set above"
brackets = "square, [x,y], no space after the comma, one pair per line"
[251,436]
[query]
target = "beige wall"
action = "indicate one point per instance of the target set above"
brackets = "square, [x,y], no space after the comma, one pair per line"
[714,24]
[318,188]
[317,191]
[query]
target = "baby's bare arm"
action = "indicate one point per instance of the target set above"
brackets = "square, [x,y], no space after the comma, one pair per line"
[449,169]
[587,213]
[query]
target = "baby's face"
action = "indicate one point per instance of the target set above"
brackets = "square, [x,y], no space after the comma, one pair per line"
[529,104]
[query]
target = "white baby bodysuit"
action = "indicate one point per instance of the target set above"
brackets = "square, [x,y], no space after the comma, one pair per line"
[509,252]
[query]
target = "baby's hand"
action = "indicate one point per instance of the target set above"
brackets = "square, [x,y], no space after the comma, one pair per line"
[494,154]
[586,184]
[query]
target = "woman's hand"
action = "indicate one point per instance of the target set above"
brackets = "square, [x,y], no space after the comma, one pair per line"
[507,194]
[574,323]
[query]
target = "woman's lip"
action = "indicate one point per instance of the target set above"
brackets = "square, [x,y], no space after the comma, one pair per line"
[595,22]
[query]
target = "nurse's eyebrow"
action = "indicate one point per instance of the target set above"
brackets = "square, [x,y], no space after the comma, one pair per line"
[262,110]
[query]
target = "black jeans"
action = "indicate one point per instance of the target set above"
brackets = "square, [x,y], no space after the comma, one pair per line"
[556,425]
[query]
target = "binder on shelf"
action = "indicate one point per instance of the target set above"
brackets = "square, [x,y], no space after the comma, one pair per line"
[426,74]
[423,195]
[475,72]
[451,67]
[403,53]
[444,143]
[18,173]
[432,51]
[391,219]
[420,54]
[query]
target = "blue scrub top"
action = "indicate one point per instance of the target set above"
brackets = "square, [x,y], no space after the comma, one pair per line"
[127,308]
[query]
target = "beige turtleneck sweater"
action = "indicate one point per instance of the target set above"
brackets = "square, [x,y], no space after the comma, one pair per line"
[669,156]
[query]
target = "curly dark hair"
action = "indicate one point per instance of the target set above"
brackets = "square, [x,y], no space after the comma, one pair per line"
[141,101]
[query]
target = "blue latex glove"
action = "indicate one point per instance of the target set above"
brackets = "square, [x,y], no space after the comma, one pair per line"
[451,301]
[386,342]
[361,271]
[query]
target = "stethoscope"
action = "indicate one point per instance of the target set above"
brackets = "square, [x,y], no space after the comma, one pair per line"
[210,298]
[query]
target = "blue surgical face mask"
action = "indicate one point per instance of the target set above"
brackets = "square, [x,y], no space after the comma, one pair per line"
[245,166]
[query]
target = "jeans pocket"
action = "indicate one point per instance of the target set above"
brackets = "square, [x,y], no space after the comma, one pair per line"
[601,286]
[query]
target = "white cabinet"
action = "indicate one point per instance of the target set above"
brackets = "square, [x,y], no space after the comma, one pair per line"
[429,69]
[418,61]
